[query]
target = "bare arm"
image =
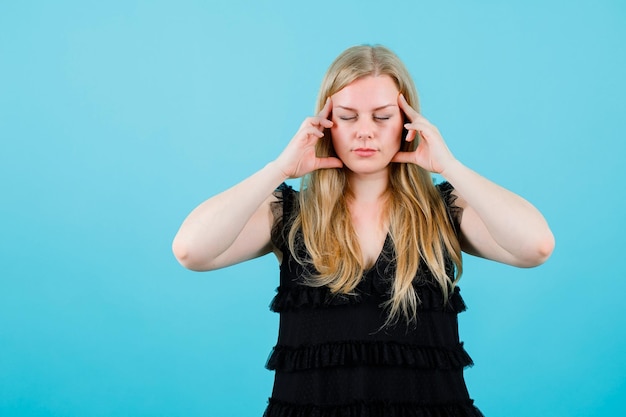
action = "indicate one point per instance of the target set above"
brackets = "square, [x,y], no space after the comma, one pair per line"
[496,224]
[230,227]
[236,224]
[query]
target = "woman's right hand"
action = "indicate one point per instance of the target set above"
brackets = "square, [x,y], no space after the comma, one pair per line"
[299,158]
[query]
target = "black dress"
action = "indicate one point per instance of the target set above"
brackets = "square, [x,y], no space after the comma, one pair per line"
[333,357]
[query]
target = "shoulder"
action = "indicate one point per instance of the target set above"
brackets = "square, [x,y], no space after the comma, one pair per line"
[284,208]
[453,205]
[445,190]
[285,201]
[285,191]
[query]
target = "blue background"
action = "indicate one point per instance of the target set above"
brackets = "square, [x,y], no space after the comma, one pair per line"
[117,118]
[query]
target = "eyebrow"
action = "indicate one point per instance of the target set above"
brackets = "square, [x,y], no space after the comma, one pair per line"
[376,109]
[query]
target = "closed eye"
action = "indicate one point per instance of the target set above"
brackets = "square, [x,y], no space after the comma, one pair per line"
[382,117]
[347,117]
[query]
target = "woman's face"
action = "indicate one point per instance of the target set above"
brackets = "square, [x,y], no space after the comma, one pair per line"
[367,124]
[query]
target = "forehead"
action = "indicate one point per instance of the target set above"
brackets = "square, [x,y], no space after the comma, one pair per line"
[367,92]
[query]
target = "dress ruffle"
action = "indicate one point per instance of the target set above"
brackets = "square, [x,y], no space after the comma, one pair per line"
[286,203]
[455,213]
[302,296]
[377,409]
[297,296]
[380,353]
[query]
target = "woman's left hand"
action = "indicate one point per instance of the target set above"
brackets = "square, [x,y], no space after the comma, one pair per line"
[431,153]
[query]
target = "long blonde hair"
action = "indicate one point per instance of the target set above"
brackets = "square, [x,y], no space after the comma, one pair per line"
[419,224]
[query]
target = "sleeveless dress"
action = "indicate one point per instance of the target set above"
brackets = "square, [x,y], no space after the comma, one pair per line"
[334,358]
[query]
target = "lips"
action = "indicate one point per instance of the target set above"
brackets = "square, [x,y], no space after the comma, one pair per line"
[364,152]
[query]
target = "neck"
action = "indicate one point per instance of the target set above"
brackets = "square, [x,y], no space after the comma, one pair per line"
[368,188]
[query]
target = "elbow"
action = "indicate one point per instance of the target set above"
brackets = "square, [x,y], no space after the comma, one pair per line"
[548,246]
[181,252]
[185,255]
[540,251]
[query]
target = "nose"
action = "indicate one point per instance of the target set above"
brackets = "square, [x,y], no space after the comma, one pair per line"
[364,129]
[362,134]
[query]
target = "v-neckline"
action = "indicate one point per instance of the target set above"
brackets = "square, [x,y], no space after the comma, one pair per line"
[383,251]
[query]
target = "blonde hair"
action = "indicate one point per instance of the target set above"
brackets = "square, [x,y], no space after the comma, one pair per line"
[419,224]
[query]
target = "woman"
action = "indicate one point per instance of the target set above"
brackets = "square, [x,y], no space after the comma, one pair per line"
[369,250]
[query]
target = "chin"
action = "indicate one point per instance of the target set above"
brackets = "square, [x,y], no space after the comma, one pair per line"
[366,169]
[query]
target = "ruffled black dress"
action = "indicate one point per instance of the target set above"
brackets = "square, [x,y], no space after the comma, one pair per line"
[333,357]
